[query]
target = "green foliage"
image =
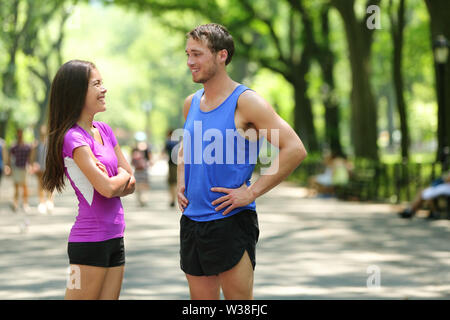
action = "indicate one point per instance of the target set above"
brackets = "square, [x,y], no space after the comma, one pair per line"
[417,74]
[140,61]
[138,47]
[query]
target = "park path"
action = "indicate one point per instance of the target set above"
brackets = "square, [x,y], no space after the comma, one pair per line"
[309,248]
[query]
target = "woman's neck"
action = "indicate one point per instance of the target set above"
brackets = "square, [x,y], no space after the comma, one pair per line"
[86,122]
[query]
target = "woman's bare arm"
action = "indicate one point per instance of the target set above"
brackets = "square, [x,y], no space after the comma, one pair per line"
[109,187]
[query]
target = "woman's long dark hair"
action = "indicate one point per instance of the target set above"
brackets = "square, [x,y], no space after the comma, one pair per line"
[67,98]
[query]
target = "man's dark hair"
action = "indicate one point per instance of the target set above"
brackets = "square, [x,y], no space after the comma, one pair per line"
[216,36]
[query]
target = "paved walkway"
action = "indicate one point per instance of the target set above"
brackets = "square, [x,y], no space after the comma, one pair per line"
[308,249]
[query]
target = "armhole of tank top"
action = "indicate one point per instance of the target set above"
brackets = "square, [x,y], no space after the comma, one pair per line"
[260,139]
[237,100]
[192,106]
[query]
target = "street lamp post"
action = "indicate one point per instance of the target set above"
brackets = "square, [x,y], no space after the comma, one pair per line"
[441,46]
[147,106]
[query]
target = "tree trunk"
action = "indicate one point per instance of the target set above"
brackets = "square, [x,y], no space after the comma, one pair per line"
[390,117]
[326,62]
[440,25]
[397,27]
[303,116]
[5,115]
[363,106]
[9,87]
[43,109]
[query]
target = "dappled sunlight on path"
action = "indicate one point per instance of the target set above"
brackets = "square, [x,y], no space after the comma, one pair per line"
[309,248]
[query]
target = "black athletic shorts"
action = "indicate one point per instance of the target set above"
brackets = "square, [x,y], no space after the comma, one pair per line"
[107,254]
[212,247]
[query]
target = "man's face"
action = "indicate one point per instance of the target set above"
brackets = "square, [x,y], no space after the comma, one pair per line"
[200,60]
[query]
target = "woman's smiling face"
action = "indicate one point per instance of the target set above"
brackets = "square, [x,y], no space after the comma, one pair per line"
[95,96]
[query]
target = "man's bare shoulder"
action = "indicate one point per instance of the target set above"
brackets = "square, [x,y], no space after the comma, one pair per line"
[187,105]
[252,97]
[251,104]
[188,99]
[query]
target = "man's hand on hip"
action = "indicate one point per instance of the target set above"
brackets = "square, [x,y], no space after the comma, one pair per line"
[234,198]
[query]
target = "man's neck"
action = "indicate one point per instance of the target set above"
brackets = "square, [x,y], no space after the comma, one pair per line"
[216,86]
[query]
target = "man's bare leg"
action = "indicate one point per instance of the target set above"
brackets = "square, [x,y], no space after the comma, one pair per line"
[204,287]
[237,283]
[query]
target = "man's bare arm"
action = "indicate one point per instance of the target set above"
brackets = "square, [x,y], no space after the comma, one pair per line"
[291,149]
[182,200]
[255,110]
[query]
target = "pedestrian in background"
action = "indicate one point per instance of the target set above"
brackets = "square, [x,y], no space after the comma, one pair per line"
[38,159]
[140,160]
[17,161]
[171,147]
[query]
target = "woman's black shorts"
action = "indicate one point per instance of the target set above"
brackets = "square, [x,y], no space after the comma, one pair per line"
[107,254]
[212,247]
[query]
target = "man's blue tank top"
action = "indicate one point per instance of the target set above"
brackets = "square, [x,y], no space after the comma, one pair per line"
[215,155]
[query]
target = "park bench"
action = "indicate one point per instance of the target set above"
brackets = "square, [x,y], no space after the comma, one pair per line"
[363,184]
[370,180]
[442,205]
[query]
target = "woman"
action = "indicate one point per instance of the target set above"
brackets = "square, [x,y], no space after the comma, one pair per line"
[87,153]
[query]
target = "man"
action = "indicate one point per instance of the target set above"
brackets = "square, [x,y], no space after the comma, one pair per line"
[219,226]
[18,159]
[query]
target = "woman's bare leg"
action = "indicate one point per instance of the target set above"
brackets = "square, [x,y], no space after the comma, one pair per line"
[85,282]
[112,283]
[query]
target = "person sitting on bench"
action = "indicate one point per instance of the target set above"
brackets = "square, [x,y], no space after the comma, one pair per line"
[439,187]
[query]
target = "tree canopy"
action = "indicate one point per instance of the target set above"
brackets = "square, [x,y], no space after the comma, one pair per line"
[343,86]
